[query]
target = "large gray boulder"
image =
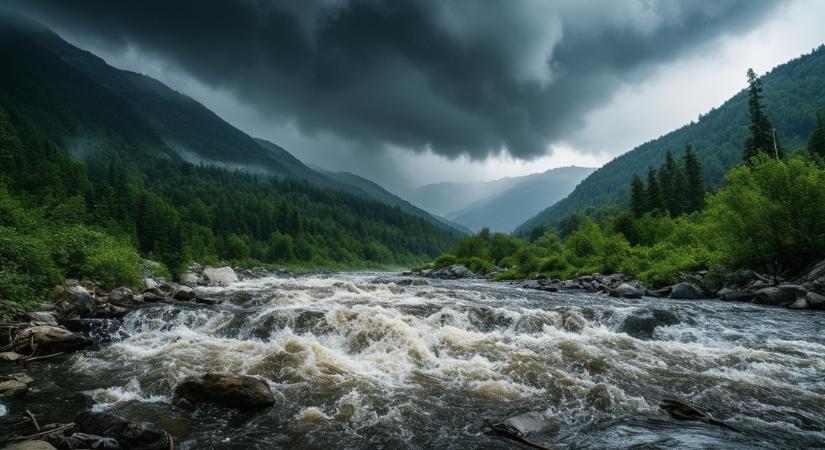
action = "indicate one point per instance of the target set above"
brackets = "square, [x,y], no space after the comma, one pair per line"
[626,290]
[31,445]
[130,435]
[222,276]
[642,323]
[815,301]
[728,294]
[453,272]
[77,302]
[234,391]
[775,296]
[686,291]
[121,295]
[47,339]
[184,294]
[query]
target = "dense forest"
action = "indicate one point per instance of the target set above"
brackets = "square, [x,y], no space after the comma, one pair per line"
[767,215]
[61,218]
[794,94]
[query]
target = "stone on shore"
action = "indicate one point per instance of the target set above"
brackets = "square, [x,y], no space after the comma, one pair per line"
[774,296]
[815,301]
[184,294]
[728,294]
[686,291]
[235,391]
[31,445]
[121,295]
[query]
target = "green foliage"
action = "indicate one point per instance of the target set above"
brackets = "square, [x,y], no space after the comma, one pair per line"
[445,260]
[762,137]
[816,141]
[771,213]
[26,271]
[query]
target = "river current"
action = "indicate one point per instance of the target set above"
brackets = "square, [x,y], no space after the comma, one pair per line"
[373,360]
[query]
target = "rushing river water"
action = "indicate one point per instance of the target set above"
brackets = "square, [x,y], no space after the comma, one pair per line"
[384,361]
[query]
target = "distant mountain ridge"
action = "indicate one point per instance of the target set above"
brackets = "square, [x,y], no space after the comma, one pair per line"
[521,199]
[793,93]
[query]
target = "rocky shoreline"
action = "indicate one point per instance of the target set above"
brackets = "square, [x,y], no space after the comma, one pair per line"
[802,292]
[81,315]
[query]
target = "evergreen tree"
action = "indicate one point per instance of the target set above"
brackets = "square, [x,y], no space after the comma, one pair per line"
[667,178]
[695,181]
[637,196]
[653,195]
[678,203]
[816,141]
[762,135]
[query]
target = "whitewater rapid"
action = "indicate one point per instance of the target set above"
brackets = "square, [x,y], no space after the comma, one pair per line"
[366,360]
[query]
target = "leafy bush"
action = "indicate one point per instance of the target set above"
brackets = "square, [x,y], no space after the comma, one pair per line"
[27,272]
[445,260]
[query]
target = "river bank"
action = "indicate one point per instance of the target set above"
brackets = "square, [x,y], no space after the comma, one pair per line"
[805,291]
[358,360]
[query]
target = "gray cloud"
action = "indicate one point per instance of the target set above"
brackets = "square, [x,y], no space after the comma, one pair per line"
[456,77]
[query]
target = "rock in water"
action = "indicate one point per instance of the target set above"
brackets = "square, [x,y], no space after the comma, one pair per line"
[79,441]
[184,294]
[686,291]
[47,339]
[681,410]
[79,303]
[235,391]
[815,301]
[222,276]
[642,323]
[626,290]
[775,296]
[13,388]
[44,317]
[518,427]
[130,435]
[728,294]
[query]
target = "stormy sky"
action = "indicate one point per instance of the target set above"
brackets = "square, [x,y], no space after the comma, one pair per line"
[410,92]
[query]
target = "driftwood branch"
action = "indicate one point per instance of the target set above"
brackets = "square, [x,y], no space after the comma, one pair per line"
[33,419]
[43,433]
[40,358]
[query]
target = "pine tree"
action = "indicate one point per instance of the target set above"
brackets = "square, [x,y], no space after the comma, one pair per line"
[678,202]
[762,135]
[816,141]
[637,196]
[653,195]
[695,181]
[667,178]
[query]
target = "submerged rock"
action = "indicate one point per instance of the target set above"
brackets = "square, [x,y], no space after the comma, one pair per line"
[519,427]
[222,276]
[130,435]
[686,291]
[46,339]
[236,391]
[13,388]
[642,323]
[681,410]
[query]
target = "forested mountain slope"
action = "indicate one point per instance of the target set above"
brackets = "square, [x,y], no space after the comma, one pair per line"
[794,93]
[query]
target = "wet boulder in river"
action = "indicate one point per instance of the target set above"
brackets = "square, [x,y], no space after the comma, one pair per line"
[626,290]
[735,295]
[642,323]
[815,301]
[222,276]
[775,296]
[46,339]
[235,391]
[518,427]
[130,435]
[79,441]
[77,302]
[686,291]
[184,294]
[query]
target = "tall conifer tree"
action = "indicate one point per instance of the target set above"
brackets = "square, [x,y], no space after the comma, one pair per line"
[637,196]
[695,181]
[653,195]
[816,141]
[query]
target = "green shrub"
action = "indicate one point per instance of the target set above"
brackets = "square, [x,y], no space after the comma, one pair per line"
[113,264]
[27,272]
[445,260]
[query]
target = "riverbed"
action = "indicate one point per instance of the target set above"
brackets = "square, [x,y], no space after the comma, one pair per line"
[376,360]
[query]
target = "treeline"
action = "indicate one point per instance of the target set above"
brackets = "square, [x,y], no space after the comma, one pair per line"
[60,218]
[769,215]
[675,188]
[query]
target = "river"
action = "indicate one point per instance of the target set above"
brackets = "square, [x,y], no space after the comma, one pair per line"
[373,360]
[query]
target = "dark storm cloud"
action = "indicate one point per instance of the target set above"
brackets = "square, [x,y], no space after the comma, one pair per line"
[454,76]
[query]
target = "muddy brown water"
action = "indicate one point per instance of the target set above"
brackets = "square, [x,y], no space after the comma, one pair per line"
[366,360]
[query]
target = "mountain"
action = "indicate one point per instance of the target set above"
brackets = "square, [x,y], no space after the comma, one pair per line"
[793,93]
[375,191]
[111,108]
[161,172]
[444,198]
[521,199]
